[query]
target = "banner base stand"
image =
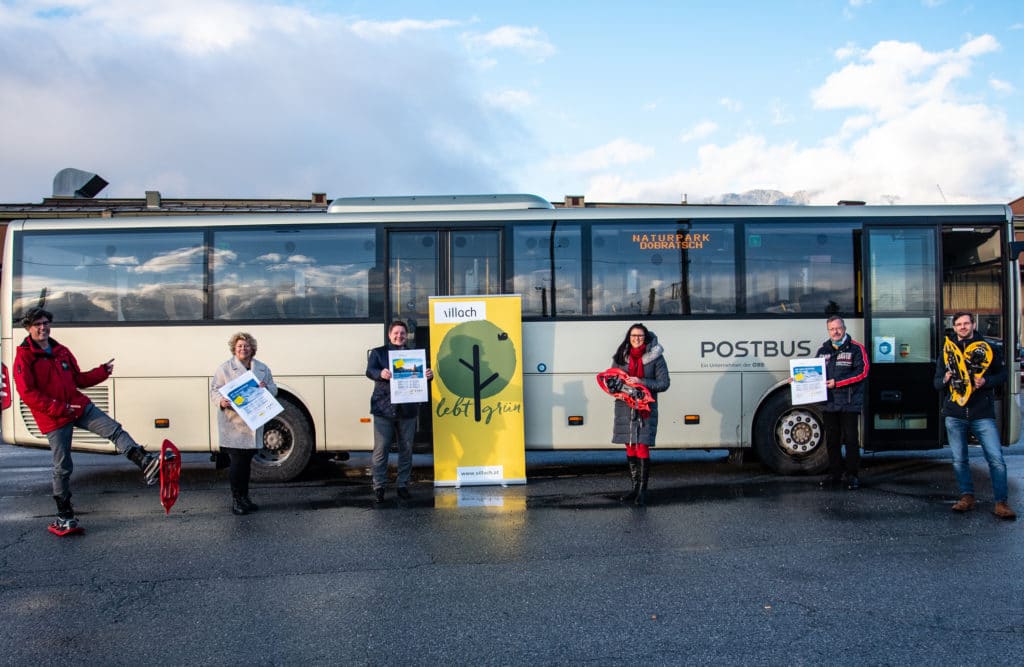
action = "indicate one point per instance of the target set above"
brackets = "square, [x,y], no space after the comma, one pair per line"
[457,485]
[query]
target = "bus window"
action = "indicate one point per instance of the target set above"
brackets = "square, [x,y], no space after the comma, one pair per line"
[298,273]
[795,269]
[973,276]
[414,275]
[547,270]
[663,269]
[121,276]
[474,258]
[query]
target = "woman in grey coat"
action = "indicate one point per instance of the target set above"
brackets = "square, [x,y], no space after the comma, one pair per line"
[236,438]
[643,359]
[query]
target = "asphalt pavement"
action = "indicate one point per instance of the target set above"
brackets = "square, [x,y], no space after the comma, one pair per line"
[728,564]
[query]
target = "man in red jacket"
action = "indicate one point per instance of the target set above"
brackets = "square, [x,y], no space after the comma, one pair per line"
[49,383]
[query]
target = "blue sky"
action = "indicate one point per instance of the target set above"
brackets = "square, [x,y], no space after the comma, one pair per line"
[913,101]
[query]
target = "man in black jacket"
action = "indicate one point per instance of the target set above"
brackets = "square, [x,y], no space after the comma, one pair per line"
[846,368]
[975,415]
[390,420]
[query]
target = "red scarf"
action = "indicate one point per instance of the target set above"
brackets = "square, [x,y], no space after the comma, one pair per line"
[636,369]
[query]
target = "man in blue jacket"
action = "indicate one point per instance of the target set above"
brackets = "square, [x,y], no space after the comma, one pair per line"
[976,415]
[846,368]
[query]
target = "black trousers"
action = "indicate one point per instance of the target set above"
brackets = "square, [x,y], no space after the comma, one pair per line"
[239,469]
[841,429]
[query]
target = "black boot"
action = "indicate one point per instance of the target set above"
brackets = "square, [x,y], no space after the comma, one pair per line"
[148,463]
[645,473]
[237,506]
[247,502]
[634,477]
[66,519]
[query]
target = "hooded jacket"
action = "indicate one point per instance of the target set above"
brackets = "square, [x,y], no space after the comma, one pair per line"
[49,383]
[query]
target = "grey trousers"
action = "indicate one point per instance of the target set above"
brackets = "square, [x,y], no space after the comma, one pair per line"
[94,420]
[384,432]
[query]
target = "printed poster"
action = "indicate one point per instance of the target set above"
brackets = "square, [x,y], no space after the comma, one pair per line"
[808,381]
[408,376]
[477,402]
[255,404]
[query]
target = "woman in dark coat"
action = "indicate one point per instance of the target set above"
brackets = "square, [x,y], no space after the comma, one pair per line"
[643,359]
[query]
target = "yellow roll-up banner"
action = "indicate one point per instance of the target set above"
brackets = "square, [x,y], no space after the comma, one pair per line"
[476,343]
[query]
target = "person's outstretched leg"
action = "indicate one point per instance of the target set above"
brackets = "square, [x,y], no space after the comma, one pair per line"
[98,422]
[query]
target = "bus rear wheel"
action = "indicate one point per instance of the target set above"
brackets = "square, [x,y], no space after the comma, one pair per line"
[287,446]
[790,439]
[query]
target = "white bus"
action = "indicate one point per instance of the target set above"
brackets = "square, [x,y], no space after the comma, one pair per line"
[732,292]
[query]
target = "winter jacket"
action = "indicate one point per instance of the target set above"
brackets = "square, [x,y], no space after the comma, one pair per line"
[380,399]
[627,427]
[49,382]
[232,431]
[981,404]
[848,366]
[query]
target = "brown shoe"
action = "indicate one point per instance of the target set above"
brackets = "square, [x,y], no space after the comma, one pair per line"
[1003,511]
[965,504]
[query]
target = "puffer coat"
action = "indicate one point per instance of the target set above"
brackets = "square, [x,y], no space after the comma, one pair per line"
[628,428]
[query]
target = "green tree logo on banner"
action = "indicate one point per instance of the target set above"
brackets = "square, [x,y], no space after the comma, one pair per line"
[476,360]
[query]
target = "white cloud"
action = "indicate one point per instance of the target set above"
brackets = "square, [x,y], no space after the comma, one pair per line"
[614,153]
[529,42]
[699,131]
[196,27]
[731,104]
[1001,86]
[911,134]
[510,100]
[222,99]
[392,29]
[780,114]
[894,76]
[848,52]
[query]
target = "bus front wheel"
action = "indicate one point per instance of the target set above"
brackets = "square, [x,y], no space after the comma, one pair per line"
[790,439]
[287,446]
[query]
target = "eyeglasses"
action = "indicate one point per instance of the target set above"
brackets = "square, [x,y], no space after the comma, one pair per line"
[40,325]
[637,336]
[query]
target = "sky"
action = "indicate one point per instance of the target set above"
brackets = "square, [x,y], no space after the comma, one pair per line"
[885,101]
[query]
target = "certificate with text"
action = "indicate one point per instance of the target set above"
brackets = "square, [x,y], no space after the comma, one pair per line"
[408,376]
[255,404]
[808,381]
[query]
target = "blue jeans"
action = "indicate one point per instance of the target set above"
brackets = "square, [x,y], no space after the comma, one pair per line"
[985,431]
[384,432]
[95,420]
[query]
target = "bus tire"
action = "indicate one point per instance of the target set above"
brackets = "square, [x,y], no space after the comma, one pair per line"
[287,445]
[790,439]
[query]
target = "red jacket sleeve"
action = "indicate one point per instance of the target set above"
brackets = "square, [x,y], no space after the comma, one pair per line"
[87,378]
[862,373]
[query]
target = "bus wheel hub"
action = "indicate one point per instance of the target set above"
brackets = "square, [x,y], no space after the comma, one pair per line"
[799,433]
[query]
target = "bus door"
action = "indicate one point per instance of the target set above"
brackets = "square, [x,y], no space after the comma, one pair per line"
[901,320]
[973,279]
[437,262]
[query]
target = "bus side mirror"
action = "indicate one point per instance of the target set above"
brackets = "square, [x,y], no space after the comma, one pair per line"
[1016,248]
